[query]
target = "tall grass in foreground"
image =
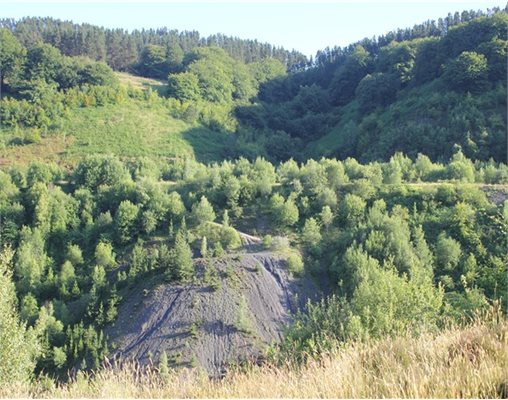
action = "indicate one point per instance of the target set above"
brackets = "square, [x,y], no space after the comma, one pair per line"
[468,362]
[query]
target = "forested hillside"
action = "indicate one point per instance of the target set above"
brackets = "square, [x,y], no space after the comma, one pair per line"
[429,89]
[162,193]
[425,93]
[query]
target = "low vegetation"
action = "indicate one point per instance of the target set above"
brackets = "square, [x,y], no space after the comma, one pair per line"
[458,362]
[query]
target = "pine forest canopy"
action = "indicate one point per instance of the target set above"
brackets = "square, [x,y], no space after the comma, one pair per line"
[121,49]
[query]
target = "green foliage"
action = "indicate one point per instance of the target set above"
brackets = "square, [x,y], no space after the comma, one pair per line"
[340,104]
[448,252]
[467,73]
[29,309]
[211,277]
[326,216]
[388,234]
[352,209]
[12,55]
[279,243]
[126,221]
[43,62]
[31,260]
[98,74]
[378,89]
[18,347]
[225,219]
[284,212]
[214,83]
[387,247]
[184,86]
[152,62]
[399,59]
[243,317]
[98,170]
[267,239]
[230,238]
[163,365]
[74,255]
[382,303]
[148,221]
[218,250]
[349,76]
[460,168]
[311,235]
[266,70]
[403,92]
[67,278]
[202,212]
[295,265]
[385,303]
[182,258]
[104,255]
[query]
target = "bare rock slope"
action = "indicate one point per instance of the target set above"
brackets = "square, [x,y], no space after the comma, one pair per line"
[211,325]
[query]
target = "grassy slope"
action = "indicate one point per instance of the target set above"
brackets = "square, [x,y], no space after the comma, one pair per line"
[137,129]
[468,362]
[133,128]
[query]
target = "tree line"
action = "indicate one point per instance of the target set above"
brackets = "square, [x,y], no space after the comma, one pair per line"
[124,50]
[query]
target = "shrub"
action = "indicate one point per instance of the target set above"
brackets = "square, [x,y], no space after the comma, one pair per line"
[230,238]
[267,241]
[280,243]
[295,264]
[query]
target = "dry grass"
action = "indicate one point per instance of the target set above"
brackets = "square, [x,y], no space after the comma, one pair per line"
[469,362]
[50,148]
[139,82]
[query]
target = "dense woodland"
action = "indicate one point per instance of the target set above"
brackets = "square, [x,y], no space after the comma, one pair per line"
[408,238]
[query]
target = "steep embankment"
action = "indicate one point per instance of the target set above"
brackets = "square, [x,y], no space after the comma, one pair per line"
[211,323]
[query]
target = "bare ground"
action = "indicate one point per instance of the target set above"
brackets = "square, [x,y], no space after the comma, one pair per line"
[197,325]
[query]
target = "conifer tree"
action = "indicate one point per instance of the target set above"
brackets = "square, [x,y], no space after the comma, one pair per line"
[204,247]
[184,266]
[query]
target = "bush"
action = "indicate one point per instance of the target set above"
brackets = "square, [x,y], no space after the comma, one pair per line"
[230,238]
[280,243]
[295,265]
[267,241]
